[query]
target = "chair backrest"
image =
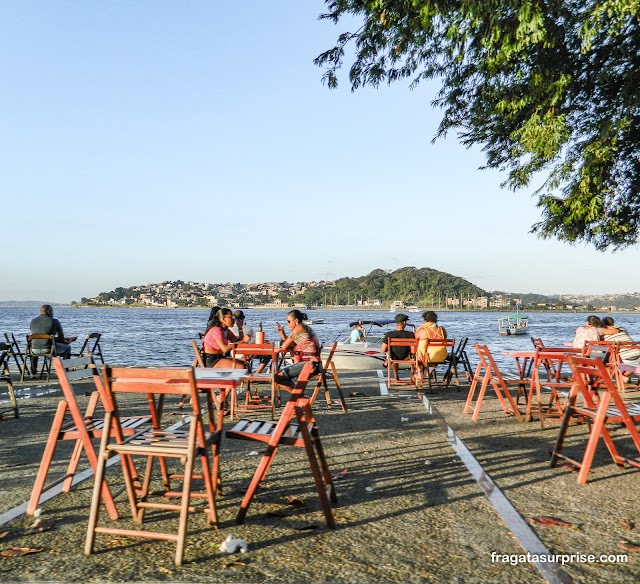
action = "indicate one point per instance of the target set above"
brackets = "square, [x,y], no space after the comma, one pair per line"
[537,343]
[297,397]
[486,360]
[162,382]
[590,373]
[4,359]
[392,342]
[329,358]
[50,346]
[92,345]
[460,349]
[197,351]
[78,369]
[598,350]
[428,345]
[254,349]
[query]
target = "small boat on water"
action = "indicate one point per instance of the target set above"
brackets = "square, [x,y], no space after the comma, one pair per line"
[514,324]
[365,354]
[314,321]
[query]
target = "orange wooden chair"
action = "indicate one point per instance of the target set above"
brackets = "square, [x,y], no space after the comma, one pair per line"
[91,346]
[590,376]
[401,343]
[253,400]
[295,427]
[184,445]
[431,365]
[69,423]
[556,384]
[487,372]
[624,350]
[5,376]
[329,368]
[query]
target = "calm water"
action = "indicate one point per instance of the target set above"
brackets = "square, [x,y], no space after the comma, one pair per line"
[140,336]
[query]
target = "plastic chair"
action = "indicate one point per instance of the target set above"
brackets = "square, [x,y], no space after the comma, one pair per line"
[303,433]
[69,423]
[591,376]
[184,445]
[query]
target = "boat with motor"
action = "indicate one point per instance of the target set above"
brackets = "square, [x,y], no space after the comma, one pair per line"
[314,321]
[514,324]
[365,354]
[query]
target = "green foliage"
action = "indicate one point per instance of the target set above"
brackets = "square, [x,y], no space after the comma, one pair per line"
[546,87]
[411,285]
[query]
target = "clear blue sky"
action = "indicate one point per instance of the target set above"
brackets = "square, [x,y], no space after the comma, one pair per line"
[146,141]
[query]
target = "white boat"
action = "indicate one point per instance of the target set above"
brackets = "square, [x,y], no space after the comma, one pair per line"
[314,321]
[367,354]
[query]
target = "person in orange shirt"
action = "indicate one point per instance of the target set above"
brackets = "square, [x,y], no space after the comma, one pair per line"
[428,331]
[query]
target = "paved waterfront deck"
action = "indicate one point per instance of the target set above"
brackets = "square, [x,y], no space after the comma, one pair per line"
[409,508]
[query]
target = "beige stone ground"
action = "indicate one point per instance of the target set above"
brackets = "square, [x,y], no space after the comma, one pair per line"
[423,519]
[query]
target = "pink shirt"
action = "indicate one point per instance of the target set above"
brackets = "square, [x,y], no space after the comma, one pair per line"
[216,333]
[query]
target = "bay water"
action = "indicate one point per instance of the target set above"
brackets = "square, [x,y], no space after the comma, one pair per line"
[161,337]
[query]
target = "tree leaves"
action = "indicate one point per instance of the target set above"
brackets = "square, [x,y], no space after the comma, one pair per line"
[546,88]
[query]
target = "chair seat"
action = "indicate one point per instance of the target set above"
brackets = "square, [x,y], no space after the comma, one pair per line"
[159,443]
[129,426]
[262,430]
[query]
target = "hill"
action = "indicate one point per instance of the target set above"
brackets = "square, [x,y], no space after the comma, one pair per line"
[410,285]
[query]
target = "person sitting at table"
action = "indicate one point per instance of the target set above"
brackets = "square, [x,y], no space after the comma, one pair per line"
[219,340]
[243,331]
[45,324]
[592,331]
[303,345]
[619,334]
[426,332]
[357,333]
[398,353]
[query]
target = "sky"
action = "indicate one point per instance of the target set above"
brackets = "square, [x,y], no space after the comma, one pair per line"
[149,141]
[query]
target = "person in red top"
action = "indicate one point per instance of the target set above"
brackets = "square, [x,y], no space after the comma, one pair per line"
[219,340]
[303,345]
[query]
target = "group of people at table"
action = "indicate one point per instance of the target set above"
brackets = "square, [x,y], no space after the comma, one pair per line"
[225,330]
[604,330]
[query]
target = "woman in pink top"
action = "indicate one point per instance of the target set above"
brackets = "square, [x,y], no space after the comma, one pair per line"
[591,332]
[219,340]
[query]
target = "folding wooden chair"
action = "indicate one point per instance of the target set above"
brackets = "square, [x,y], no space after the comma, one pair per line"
[624,350]
[184,445]
[403,343]
[487,372]
[458,357]
[557,384]
[329,367]
[253,399]
[69,423]
[431,365]
[15,352]
[590,374]
[32,355]
[91,346]
[303,432]
[5,376]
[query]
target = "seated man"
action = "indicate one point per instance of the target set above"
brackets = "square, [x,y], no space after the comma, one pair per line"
[45,324]
[245,333]
[398,353]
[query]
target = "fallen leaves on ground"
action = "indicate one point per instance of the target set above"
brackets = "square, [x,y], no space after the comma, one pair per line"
[340,475]
[235,564]
[16,552]
[628,524]
[628,547]
[542,520]
[294,501]
[356,394]
[4,534]
[41,524]
[164,570]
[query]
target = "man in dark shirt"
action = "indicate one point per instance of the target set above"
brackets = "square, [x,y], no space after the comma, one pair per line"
[398,353]
[45,324]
